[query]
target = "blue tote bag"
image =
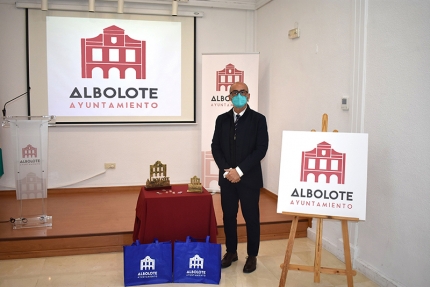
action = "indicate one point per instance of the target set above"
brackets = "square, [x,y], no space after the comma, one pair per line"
[196,262]
[147,263]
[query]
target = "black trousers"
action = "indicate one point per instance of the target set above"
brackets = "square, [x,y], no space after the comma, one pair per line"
[231,195]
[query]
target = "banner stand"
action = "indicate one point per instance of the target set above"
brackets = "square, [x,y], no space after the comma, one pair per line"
[30,138]
[316,268]
[219,72]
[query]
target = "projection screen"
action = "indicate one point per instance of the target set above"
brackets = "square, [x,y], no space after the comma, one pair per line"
[106,68]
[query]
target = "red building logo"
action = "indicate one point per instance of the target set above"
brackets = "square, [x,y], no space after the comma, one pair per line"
[228,76]
[113,49]
[325,162]
[31,186]
[29,151]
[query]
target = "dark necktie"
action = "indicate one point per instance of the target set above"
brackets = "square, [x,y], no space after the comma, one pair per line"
[235,125]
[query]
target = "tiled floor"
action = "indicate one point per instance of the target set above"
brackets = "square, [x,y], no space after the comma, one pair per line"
[107,269]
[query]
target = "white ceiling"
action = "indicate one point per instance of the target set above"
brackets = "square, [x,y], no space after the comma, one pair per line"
[232,4]
[241,4]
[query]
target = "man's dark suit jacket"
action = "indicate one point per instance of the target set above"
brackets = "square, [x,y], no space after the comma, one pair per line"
[246,151]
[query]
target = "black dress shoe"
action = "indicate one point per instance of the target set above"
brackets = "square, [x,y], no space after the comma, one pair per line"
[250,265]
[228,258]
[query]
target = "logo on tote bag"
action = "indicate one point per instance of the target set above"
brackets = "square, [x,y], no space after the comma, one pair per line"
[196,265]
[146,264]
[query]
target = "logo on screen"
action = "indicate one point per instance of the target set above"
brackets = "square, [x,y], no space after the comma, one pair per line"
[321,163]
[113,49]
[228,76]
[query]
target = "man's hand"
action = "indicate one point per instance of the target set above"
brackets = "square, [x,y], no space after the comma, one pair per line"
[232,175]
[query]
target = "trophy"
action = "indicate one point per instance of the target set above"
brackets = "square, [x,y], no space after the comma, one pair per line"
[195,185]
[157,177]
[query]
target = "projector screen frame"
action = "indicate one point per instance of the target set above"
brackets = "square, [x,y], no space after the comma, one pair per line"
[34,63]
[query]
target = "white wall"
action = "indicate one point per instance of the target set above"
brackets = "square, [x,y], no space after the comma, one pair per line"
[77,154]
[395,239]
[388,84]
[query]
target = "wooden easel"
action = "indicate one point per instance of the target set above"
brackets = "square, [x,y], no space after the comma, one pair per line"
[316,268]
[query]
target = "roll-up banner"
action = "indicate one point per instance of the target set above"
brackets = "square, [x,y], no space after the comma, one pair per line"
[219,72]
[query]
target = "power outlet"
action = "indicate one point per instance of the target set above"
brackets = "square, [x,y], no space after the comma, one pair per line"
[110,165]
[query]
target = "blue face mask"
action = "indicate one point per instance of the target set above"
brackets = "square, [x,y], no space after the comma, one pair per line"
[239,101]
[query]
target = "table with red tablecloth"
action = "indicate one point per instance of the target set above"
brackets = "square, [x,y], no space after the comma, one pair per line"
[173,214]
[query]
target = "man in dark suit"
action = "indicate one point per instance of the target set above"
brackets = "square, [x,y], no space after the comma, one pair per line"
[239,143]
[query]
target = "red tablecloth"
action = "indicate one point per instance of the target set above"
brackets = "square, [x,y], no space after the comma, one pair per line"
[170,216]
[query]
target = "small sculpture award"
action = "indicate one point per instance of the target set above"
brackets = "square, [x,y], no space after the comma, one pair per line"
[157,177]
[195,185]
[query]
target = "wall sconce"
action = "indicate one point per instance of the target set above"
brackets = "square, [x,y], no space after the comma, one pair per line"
[175,8]
[120,6]
[44,5]
[91,5]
